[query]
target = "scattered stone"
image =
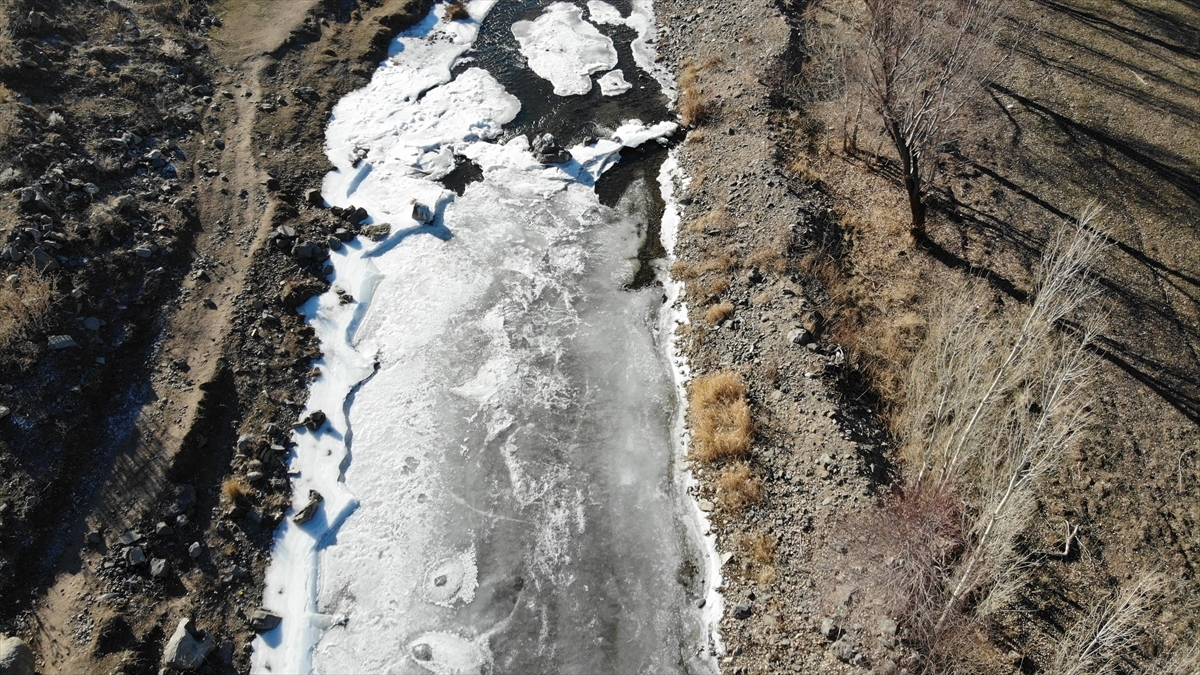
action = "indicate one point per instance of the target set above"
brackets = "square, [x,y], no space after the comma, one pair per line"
[129,538]
[888,627]
[158,568]
[263,620]
[187,647]
[16,658]
[306,249]
[421,213]
[800,337]
[547,150]
[377,232]
[422,652]
[143,251]
[4,411]
[44,262]
[218,144]
[334,243]
[163,530]
[741,611]
[135,556]
[844,649]
[57,342]
[314,421]
[254,476]
[94,537]
[195,549]
[314,197]
[310,509]
[829,629]
[245,441]
[91,323]
[705,505]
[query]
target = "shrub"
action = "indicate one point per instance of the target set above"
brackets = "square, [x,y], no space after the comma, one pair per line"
[722,427]
[25,306]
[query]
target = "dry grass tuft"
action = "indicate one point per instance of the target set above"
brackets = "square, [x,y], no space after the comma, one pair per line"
[738,487]
[25,307]
[718,313]
[694,106]
[456,10]
[722,427]
[235,489]
[769,259]
[713,222]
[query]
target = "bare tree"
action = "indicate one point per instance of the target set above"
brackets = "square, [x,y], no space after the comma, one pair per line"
[918,62]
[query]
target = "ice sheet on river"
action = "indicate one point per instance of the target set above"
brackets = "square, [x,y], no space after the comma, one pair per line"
[563,48]
[498,489]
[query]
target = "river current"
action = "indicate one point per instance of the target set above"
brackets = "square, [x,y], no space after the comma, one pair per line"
[500,474]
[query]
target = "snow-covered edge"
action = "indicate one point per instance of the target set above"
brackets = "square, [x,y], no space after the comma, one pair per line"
[671,177]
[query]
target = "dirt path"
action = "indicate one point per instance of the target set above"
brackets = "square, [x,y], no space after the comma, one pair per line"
[235,211]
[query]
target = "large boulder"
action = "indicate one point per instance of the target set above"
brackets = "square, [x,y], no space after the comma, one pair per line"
[16,658]
[187,647]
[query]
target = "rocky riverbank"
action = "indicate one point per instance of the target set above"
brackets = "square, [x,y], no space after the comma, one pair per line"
[750,241]
[161,234]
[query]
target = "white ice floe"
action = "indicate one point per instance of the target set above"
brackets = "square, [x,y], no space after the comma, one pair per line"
[565,49]
[613,83]
[603,13]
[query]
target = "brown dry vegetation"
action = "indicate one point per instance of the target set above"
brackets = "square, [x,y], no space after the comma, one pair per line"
[1098,105]
[738,487]
[457,11]
[694,104]
[719,413]
[718,313]
[25,306]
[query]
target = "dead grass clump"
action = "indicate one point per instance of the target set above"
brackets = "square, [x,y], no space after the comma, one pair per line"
[713,222]
[770,259]
[235,489]
[694,106]
[757,553]
[25,307]
[738,487]
[718,313]
[111,25]
[456,10]
[722,427]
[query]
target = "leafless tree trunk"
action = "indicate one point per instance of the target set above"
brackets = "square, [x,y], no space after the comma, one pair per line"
[919,63]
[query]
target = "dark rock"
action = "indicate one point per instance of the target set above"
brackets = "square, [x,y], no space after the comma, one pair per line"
[218,144]
[306,249]
[44,262]
[310,509]
[314,197]
[315,420]
[829,629]
[163,530]
[422,652]
[741,612]
[334,243]
[844,649]
[263,620]
[135,556]
[195,549]
[547,150]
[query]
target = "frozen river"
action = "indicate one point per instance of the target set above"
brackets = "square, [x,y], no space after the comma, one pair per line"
[501,483]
